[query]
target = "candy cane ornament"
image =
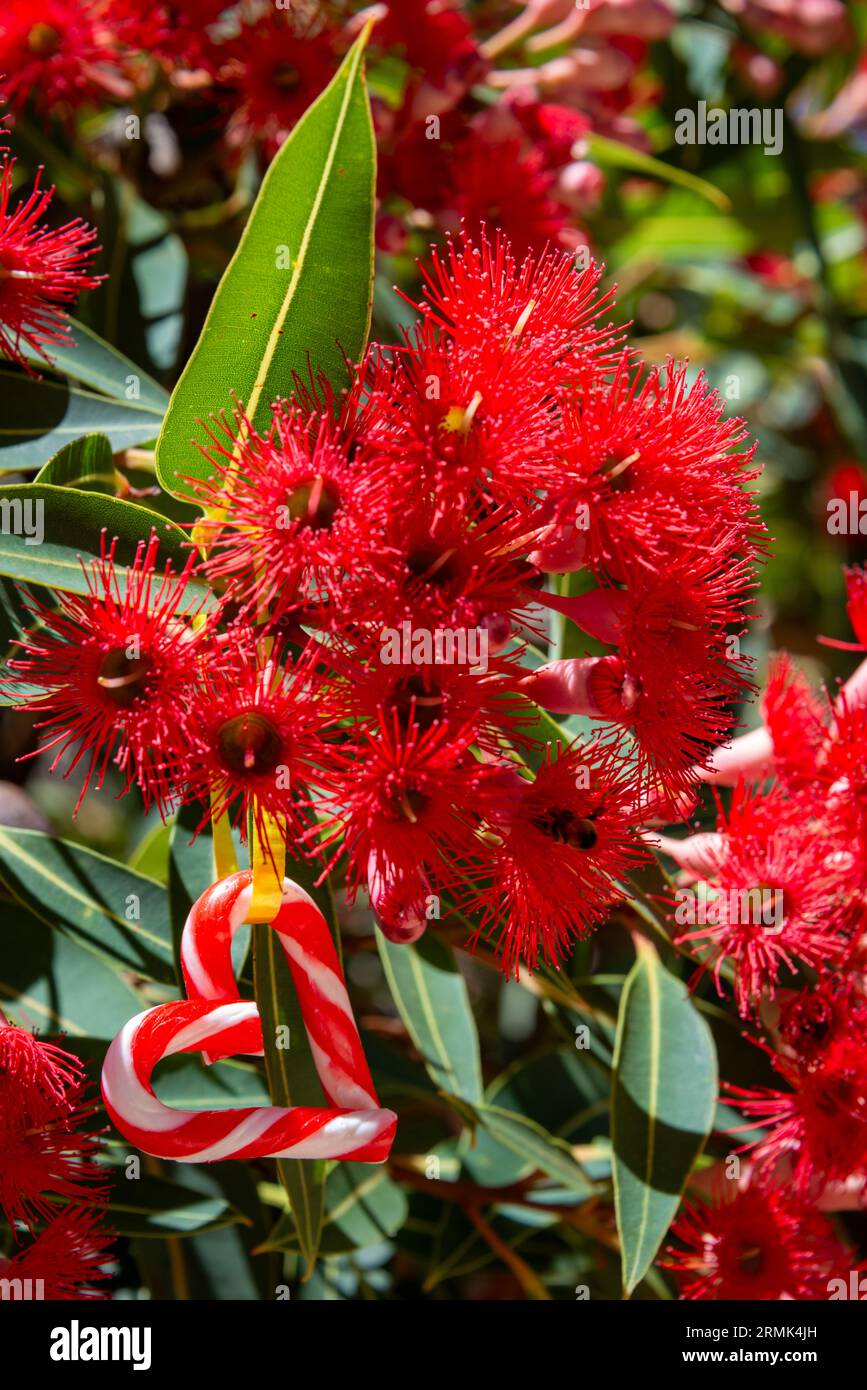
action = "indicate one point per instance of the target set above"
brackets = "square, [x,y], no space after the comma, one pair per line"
[215,1021]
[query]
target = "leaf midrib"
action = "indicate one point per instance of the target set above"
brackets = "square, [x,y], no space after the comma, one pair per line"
[277,328]
[14,852]
[653,1002]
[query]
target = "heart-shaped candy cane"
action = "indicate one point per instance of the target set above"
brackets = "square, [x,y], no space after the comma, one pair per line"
[214,1020]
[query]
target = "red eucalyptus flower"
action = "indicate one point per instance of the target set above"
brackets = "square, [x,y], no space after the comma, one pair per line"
[449,418]
[796,721]
[778,905]
[274,69]
[653,463]
[43,1100]
[755,1242]
[44,1074]
[54,51]
[41,270]
[468,401]
[856,609]
[254,735]
[293,512]
[174,32]
[500,183]
[397,670]
[819,1125]
[444,562]
[115,669]
[531,319]
[556,852]
[434,35]
[406,798]
[67,1259]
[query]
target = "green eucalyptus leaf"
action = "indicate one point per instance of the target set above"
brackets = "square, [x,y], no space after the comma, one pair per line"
[364,1206]
[616,155]
[93,362]
[147,1206]
[46,531]
[292,1080]
[41,416]
[85,463]
[299,287]
[663,1099]
[116,912]
[541,1150]
[50,982]
[431,997]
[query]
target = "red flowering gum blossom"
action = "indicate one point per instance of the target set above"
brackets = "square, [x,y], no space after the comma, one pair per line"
[856,609]
[754,1242]
[555,855]
[67,1258]
[42,269]
[819,1126]
[43,1100]
[777,906]
[648,462]
[114,669]
[55,51]
[293,511]
[274,69]
[408,804]
[436,38]
[255,734]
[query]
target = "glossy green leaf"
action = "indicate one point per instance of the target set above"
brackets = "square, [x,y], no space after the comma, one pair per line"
[552,1088]
[15,619]
[41,416]
[191,866]
[212,1264]
[663,1099]
[92,361]
[86,464]
[299,286]
[147,1206]
[531,1142]
[151,855]
[187,1084]
[364,1206]
[431,997]
[118,913]
[616,155]
[49,981]
[73,523]
[292,1080]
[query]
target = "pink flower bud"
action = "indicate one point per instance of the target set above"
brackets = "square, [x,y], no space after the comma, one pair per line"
[391,234]
[597,612]
[698,855]
[748,757]
[564,687]
[398,901]
[581,185]
[642,19]
[561,548]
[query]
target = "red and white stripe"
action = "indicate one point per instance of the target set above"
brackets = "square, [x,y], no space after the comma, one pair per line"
[214,1020]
